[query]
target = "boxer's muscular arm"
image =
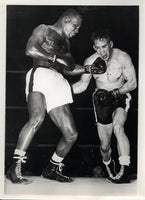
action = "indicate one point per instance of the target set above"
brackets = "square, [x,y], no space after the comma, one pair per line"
[78,70]
[129,75]
[83,83]
[97,67]
[33,47]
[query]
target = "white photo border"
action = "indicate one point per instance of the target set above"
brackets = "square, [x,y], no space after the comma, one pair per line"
[141,87]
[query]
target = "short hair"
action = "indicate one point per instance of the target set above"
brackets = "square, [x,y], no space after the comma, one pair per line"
[70,12]
[101,33]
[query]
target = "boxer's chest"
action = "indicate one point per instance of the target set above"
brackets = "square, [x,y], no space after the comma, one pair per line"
[113,72]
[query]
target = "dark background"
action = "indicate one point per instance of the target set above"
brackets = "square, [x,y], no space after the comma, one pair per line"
[123,21]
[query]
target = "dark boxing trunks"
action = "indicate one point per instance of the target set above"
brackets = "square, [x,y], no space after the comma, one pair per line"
[103,113]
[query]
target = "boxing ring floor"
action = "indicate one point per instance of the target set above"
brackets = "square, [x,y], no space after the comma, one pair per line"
[80,187]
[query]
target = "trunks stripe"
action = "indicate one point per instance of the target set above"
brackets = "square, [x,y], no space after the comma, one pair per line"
[128,99]
[94,107]
[31,80]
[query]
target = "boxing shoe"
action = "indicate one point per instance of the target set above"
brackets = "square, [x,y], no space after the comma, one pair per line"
[111,169]
[121,177]
[54,172]
[14,172]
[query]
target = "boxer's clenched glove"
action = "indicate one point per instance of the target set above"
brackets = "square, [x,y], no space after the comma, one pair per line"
[98,67]
[66,60]
[107,97]
[102,96]
[114,94]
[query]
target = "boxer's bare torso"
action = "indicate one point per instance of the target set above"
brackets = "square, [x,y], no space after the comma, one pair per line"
[114,75]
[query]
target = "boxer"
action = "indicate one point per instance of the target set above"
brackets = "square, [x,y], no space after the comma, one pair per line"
[48,91]
[111,101]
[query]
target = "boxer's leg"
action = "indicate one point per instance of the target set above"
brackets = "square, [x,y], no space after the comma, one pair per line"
[63,119]
[119,119]
[36,107]
[105,133]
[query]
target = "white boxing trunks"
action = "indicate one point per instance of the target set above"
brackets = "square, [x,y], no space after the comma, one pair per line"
[51,84]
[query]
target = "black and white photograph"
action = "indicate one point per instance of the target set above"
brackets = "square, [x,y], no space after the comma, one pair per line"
[72,85]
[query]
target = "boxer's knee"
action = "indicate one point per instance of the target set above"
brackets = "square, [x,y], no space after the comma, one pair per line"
[36,121]
[118,128]
[70,135]
[105,148]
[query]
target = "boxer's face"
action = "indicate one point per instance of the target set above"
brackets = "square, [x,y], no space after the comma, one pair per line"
[71,26]
[103,47]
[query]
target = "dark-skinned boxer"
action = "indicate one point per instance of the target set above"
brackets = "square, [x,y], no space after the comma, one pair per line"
[48,91]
